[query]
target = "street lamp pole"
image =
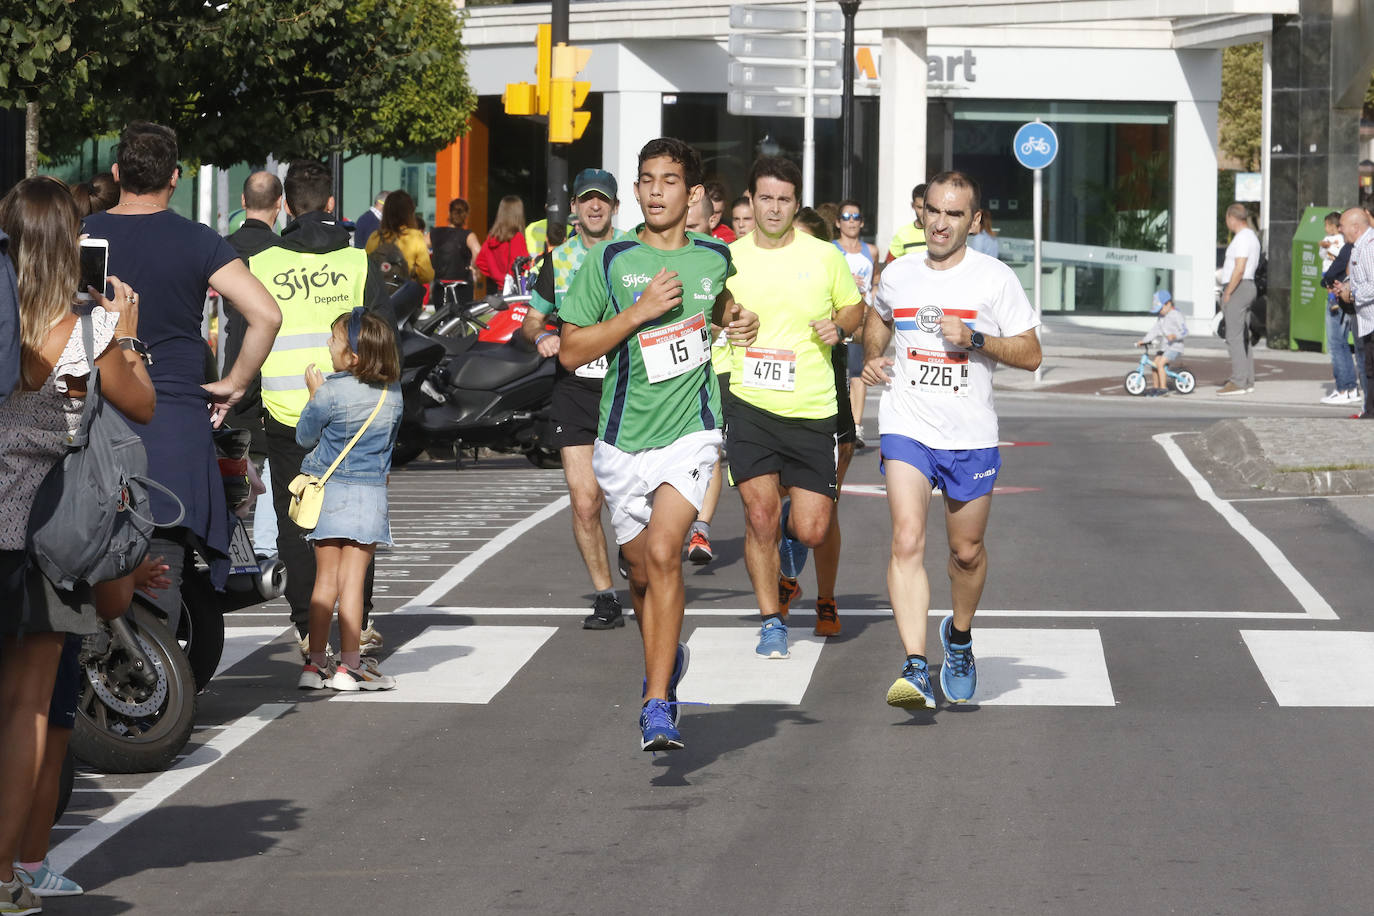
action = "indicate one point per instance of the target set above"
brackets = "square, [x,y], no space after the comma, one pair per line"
[850,9]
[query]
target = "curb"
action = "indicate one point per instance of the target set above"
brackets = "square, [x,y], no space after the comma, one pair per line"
[1248,448]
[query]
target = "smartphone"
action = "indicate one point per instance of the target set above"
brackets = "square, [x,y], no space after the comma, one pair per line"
[95,259]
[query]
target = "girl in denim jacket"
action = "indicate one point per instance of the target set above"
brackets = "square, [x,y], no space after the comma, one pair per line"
[353,520]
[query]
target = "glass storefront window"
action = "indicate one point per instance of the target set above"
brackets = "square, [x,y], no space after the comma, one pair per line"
[728,144]
[1107,195]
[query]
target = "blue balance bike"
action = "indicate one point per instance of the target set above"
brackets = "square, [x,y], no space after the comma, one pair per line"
[1138,379]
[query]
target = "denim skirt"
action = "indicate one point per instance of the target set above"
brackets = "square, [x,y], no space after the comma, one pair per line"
[355,512]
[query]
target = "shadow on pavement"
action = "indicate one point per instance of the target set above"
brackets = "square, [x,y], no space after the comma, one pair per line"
[721,731]
[165,838]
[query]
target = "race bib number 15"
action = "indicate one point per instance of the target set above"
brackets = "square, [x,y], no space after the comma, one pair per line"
[676,348]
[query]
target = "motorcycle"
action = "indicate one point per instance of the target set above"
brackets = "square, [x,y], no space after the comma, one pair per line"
[138,702]
[462,391]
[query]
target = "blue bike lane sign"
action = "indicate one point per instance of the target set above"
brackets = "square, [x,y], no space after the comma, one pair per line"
[1035,145]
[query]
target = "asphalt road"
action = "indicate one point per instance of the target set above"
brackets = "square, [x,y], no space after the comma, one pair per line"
[1173,716]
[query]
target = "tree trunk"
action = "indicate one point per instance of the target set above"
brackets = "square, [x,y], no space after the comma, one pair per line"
[30,139]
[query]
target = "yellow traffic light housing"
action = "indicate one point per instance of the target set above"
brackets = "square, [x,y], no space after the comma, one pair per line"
[567,94]
[533,98]
[543,42]
[521,99]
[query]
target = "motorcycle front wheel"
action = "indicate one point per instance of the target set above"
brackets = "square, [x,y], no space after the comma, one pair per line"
[124,725]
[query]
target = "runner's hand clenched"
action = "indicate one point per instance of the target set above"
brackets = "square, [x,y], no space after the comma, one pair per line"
[742,325]
[662,295]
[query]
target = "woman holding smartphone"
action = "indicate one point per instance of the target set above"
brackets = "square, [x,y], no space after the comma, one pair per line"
[41,219]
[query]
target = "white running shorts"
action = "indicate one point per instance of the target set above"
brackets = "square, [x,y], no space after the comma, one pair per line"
[629,479]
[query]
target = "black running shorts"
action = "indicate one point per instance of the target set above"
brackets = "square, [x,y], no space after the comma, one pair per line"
[576,409]
[800,452]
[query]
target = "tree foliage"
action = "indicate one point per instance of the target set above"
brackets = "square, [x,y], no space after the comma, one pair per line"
[1240,124]
[240,81]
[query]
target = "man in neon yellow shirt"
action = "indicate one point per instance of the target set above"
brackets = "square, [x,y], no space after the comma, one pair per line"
[911,238]
[781,411]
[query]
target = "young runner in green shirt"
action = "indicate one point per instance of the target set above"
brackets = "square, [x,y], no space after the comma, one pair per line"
[648,304]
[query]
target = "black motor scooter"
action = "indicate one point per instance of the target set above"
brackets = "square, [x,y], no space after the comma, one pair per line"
[461,392]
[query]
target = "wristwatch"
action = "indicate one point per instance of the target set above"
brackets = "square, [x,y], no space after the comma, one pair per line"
[976,341]
[138,346]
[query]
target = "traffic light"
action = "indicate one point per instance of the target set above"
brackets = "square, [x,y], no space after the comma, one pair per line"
[567,94]
[532,98]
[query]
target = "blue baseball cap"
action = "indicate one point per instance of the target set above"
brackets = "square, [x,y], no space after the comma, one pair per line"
[1162,298]
[598,180]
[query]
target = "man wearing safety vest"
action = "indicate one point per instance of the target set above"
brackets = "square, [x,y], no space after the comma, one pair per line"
[315,275]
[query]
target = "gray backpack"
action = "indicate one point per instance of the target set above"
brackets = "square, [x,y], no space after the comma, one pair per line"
[91,521]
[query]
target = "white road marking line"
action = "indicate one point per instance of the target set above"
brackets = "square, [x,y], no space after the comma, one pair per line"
[725,670]
[1307,596]
[1024,667]
[489,611]
[456,664]
[474,561]
[1337,667]
[163,786]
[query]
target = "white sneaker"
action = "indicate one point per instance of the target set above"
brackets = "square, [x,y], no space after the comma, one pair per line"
[1353,396]
[1337,397]
[305,649]
[364,677]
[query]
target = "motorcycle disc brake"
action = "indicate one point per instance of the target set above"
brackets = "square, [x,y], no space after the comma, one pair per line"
[149,705]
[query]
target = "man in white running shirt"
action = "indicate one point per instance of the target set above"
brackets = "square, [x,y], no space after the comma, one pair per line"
[956,314]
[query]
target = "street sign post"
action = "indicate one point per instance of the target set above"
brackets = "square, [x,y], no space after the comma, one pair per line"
[779,67]
[1035,146]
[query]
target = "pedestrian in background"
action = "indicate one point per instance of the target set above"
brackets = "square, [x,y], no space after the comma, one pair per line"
[742,216]
[505,243]
[1347,371]
[369,221]
[718,198]
[1238,273]
[400,227]
[1359,291]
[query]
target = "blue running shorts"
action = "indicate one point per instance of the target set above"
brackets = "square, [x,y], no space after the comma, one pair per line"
[963,474]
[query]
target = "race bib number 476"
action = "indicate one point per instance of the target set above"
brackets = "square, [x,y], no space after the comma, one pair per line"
[676,348]
[938,372]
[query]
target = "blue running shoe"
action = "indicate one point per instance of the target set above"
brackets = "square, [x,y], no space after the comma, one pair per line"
[958,674]
[679,669]
[791,552]
[659,732]
[48,883]
[912,689]
[772,640]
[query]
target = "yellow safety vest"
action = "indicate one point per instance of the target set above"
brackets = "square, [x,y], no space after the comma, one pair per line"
[312,290]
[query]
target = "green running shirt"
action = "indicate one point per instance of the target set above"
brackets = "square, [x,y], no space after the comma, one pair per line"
[660,385]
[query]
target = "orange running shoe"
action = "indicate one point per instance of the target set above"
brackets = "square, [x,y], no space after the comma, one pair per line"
[827,618]
[789,590]
[699,549]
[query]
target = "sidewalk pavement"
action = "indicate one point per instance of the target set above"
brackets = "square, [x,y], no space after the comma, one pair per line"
[1315,450]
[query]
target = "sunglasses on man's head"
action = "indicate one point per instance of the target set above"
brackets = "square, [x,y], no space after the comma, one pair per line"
[850,217]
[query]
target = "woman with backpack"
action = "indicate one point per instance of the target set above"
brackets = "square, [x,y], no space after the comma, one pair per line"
[41,220]
[397,239]
[505,243]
